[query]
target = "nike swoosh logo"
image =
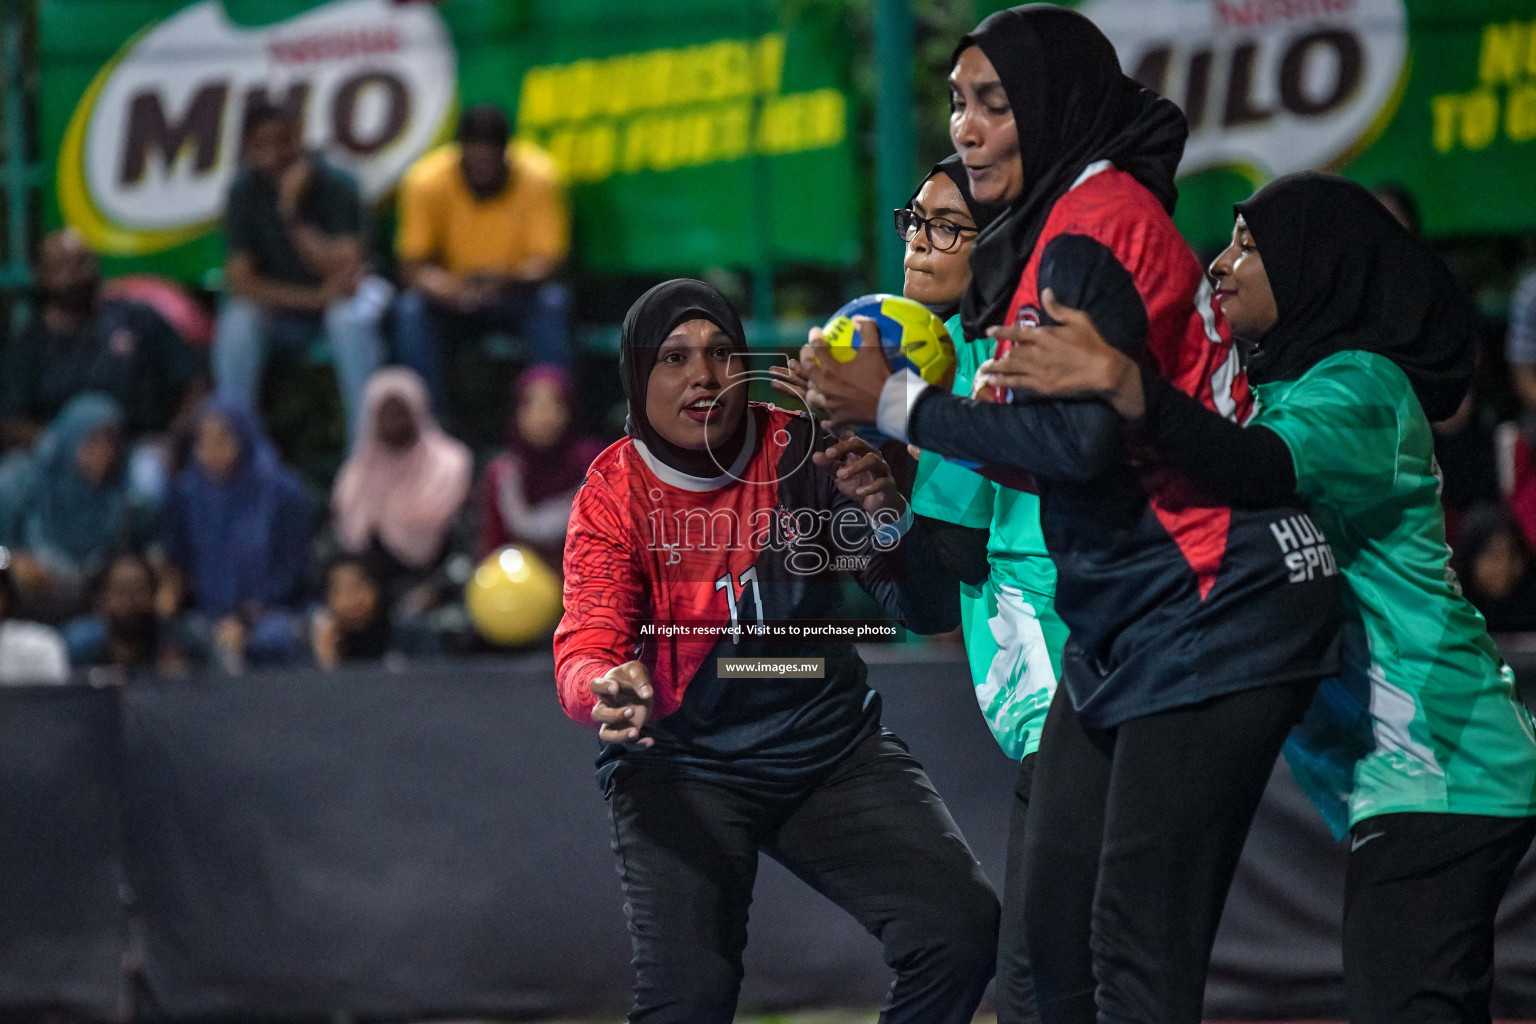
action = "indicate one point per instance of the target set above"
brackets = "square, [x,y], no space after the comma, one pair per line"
[1363,840]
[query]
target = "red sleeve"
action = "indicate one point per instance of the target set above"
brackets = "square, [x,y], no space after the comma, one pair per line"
[493,531]
[604,596]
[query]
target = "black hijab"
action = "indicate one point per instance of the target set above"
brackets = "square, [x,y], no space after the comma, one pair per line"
[1073,107]
[953,169]
[647,324]
[1347,275]
[982,213]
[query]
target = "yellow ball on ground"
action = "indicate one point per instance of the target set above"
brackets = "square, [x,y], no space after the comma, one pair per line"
[513,598]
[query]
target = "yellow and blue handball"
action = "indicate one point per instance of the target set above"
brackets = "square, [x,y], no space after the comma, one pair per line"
[912,336]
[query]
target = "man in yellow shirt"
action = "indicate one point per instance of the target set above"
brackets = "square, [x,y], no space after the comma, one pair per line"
[483,230]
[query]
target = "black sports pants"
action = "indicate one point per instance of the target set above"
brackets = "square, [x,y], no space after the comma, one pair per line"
[874,837]
[1420,899]
[1015,992]
[1133,836]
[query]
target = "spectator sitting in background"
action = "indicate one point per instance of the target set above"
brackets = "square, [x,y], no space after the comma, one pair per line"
[1466,452]
[29,651]
[237,532]
[483,229]
[295,265]
[355,623]
[1520,346]
[126,631]
[67,508]
[76,341]
[397,498]
[526,493]
[1516,461]
[1494,565]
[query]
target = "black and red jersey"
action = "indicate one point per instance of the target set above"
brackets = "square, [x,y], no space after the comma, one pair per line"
[1171,598]
[679,572]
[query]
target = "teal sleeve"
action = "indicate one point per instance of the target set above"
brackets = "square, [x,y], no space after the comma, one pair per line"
[1343,424]
[942,489]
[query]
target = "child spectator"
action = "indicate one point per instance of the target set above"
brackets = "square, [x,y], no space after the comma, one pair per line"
[237,532]
[64,510]
[296,265]
[483,230]
[1494,565]
[526,493]
[29,651]
[125,631]
[397,498]
[355,625]
[77,341]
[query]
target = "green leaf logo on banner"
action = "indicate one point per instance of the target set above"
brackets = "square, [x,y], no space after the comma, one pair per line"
[154,142]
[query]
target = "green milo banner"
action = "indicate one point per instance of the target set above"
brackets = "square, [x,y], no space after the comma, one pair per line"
[1435,96]
[687,131]
[700,133]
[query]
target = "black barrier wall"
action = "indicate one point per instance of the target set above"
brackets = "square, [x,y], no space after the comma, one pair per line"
[433,842]
[63,918]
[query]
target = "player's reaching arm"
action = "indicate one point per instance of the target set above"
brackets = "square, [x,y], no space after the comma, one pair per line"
[1054,439]
[601,683]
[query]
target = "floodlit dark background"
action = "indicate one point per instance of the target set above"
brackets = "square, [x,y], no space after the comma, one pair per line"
[208,828]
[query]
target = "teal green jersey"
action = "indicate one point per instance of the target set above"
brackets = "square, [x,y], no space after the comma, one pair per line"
[1426,718]
[1013,637]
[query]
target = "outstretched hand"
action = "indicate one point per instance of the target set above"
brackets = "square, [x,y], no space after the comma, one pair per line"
[791,380]
[625,698]
[1069,360]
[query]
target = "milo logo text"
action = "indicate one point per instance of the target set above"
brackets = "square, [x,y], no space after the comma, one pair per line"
[154,142]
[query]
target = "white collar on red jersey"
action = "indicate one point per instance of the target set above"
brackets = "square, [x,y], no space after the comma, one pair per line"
[1090,171]
[686,482]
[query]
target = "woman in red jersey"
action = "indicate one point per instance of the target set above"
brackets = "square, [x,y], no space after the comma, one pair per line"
[1191,652]
[715,524]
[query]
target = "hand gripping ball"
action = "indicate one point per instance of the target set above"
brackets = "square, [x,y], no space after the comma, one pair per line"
[513,598]
[912,336]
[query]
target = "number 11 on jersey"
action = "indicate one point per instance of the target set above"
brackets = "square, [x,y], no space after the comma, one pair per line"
[739,590]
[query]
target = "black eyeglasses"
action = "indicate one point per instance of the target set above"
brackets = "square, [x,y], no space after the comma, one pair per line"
[943,235]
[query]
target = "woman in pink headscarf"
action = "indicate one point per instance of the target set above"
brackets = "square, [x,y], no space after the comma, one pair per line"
[398,495]
[525,495]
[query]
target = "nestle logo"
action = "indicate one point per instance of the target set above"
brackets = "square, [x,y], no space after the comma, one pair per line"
[1245,13]
[334,46]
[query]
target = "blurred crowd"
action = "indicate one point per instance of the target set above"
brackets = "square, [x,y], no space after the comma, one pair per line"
[149,524]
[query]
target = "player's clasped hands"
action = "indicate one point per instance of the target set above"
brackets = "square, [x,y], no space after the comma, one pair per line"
[624,701]
[860,472]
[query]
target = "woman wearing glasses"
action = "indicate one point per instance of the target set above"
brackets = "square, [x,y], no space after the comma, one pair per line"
[992,542]
[1013,636]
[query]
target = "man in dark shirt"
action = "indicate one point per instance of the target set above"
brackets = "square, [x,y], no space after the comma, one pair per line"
[295,265]
[76,341]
